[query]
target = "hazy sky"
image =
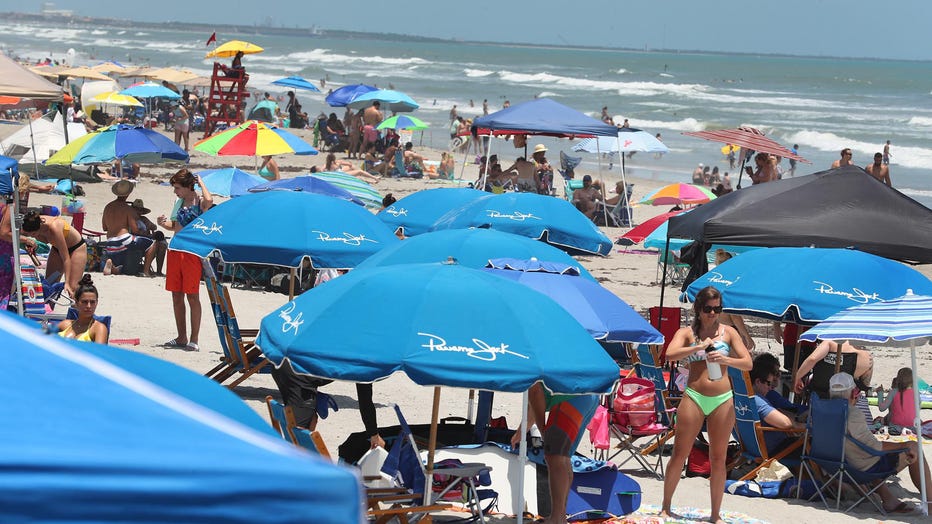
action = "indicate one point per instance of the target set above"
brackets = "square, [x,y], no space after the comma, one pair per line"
[855,28]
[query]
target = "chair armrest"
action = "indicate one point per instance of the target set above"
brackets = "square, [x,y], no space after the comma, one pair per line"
[797,431]
[871,451]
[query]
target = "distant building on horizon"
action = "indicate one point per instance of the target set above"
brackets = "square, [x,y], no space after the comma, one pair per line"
[48,9]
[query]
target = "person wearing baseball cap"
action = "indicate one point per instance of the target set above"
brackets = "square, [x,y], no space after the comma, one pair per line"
[842,386]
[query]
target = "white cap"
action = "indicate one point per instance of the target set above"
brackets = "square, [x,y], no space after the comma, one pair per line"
[700,164]
[840,385]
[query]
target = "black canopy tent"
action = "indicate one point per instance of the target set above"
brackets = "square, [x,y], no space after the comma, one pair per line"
[841,208]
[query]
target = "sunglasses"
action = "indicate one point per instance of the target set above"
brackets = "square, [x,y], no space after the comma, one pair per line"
[709,309]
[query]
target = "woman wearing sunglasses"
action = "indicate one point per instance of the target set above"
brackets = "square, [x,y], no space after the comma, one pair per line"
[707,346]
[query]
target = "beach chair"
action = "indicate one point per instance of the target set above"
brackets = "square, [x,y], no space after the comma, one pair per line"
[569,186]
[282,419]
[676,271]
[404,463]
[646,361]
[827,433]
[240,354]
[634,420]
[568,165]
[312,441]
[749,430]
[402,170]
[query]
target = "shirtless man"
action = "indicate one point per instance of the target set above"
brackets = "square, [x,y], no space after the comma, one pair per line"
[586,197]
[886,153]
[119,222]
[373,115]
[879,170]
[522,174]
[845,159]
[765,171]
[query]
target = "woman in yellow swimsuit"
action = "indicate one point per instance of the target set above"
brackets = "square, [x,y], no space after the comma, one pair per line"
[85,327]
[706,341]
[69,254]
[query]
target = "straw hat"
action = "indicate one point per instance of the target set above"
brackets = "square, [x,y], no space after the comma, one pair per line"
[540,148]
[122,188]
[140,207]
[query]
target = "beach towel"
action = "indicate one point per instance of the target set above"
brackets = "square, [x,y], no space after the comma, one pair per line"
[650,514]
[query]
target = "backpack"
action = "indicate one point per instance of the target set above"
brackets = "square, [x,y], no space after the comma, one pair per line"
[697,463]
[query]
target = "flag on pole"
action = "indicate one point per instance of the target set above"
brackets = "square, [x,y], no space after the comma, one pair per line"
[212,39]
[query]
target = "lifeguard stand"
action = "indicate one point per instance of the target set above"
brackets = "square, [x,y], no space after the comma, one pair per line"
[227,99]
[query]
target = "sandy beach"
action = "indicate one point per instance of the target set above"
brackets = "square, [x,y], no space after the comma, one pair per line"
[141,308]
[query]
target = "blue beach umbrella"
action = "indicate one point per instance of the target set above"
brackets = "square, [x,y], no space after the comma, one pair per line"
[229,181]
[344,95]
[901,321]
[417,212]
[150,90]
[97,439]
[128,143]
[604,315]
[807,285]
[471,248]
[283,228]
[296,82]
[390,100]
[552,220]
[515,336]
[308,184]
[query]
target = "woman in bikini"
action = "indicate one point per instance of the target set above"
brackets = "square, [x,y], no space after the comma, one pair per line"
[342,166]
[68,256]
[269,168]
[705,400]
[85,327]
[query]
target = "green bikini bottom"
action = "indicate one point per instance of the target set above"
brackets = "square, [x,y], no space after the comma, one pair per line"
[708,404]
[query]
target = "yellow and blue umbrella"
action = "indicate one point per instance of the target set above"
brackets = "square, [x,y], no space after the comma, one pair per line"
[129,143]
[254,138]
[116,99]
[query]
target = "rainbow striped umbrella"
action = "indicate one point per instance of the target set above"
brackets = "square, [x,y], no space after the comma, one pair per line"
[254,138]
[353,185]
[403,122]
[678,194]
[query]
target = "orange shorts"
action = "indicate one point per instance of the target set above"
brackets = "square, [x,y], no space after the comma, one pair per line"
[183,272]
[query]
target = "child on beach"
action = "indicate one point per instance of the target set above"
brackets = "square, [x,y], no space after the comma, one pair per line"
[900,401]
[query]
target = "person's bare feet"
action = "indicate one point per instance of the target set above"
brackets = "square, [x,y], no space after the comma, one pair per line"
[108,267]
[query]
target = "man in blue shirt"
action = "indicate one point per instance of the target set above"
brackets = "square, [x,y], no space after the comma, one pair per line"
[763,380]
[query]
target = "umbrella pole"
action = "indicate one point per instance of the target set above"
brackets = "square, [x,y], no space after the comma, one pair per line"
[431,445]
[838,357]
[522,456]
[470,404]
[598,154]
[744,162]
[291,273]
[917,425]
[792,396]
[663,283]
[624,182]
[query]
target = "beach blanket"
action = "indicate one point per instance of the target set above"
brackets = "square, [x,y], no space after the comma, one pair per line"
[650,514]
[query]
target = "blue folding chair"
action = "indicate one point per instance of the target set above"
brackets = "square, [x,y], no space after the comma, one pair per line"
[282,419]
[827,430]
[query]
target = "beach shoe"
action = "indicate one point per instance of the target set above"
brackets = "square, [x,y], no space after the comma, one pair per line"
[173,343]
[192,346]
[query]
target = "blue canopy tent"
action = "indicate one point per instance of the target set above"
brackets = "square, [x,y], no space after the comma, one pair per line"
[541,116]
[95,442]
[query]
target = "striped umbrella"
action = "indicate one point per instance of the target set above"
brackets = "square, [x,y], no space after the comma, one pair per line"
[403,122]
[355,186]
[906,320]
[678,194]
[254,138]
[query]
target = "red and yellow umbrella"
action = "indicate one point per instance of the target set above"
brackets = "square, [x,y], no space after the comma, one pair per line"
[254,138]
[678,194]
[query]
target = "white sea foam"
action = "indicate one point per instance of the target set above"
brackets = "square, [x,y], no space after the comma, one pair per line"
[622,71]
[686,124]
[98,32]
[623,88]
[911,157]
[920,121]
[325,57]
[547,94]
[477,73]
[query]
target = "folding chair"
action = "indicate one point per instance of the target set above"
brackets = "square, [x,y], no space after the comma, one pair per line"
[568,165]
[633,416]
[569,186]
[282,419]
[827,431]
[749,430]
[312,441]
[676,271]
[404,463]
[240,355]
[646,360]
[668,321]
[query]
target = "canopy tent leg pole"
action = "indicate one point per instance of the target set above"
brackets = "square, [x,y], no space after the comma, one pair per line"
[917,426]
[15,225]
[431,446]
[598,153]
[291,274]
[624,196]
[35,158]
[485,172]
[663,283]
[522,456]
[792,395]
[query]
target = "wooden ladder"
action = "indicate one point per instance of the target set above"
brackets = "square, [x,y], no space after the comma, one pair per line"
[227,98]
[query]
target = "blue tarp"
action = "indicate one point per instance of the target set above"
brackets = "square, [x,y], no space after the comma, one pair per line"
[6,177]
[543,117]
[90,441]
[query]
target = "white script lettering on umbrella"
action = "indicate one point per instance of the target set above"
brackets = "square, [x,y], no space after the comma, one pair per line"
[288,323]
[207,230]
[742,409]
[347,238]
[515,215]
[397,212]
[718,278]
[855,295]
[481,350]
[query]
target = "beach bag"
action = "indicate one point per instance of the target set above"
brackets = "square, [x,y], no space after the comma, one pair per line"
[598,428]
[697,463]
[33,296]
[633,404]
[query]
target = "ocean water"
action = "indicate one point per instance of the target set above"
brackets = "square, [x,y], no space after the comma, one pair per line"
[821,104]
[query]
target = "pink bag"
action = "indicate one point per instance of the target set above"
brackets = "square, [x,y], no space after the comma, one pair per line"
[598,428]
[634,403]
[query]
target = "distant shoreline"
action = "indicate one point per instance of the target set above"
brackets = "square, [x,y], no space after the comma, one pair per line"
[311,32]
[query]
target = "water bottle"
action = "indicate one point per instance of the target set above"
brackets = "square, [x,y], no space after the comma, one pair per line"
[715,369]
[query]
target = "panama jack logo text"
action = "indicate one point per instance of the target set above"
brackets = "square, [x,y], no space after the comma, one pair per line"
[718,278]
[479,350]
[290,323]
[201,226]
[347,238]
[401,212]
[855,295]
[514,215]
